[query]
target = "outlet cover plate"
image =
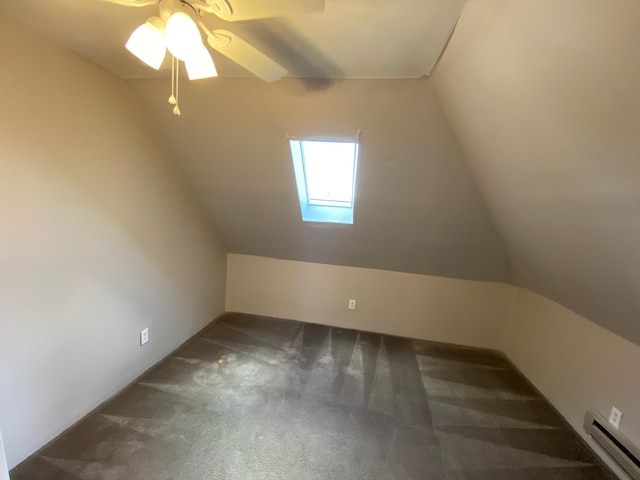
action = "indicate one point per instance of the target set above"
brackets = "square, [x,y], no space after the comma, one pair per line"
[615,417]
[144,336]
[352,304]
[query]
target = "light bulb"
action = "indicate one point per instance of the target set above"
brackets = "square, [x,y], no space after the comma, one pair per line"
[200,64]
[182,36]
[147,42]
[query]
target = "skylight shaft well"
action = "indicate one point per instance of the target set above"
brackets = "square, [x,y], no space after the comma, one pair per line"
[325,178]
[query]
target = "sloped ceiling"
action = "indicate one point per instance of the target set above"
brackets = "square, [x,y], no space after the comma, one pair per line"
[544,96]
[350,38]
[542,100]
[417,207]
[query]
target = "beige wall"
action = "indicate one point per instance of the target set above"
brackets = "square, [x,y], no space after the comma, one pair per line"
[98,240]
[575,363]
[544,98]
[443,309]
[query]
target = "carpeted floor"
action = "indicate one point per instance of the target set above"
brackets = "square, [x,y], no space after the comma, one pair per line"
[257,398]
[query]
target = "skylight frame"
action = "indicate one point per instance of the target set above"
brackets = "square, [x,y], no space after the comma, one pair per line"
[322,210]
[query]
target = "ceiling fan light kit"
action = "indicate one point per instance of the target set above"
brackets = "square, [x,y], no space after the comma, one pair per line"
[177,32]
[147,42]
[182,35]
[178,27]
[200,64]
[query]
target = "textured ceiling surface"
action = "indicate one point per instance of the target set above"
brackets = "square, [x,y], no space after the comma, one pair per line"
[417,207]
[544,96]
[351,38]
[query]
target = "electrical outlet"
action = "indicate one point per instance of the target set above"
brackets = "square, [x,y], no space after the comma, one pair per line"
[615,417]
[352,304]
[144,336]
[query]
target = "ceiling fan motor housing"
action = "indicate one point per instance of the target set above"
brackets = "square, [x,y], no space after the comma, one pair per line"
[169,7]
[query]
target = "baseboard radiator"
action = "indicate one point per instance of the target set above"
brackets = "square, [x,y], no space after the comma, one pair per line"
[619,447]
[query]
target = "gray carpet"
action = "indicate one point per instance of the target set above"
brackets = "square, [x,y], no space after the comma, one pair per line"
[257,398]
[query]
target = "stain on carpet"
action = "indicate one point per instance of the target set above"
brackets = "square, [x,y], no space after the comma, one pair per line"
[256,398]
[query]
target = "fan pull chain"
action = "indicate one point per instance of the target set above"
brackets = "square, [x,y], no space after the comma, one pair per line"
[172,98]
[176,109]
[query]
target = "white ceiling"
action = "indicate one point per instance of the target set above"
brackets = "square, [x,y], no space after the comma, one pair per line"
[350,39]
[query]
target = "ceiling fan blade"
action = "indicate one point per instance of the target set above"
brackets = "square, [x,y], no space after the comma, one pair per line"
[237,10]
[133,3]
[246,55]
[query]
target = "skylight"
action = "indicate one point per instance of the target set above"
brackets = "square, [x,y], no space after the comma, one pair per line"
[325,176]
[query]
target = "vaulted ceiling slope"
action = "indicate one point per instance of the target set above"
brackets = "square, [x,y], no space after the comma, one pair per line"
[544,96]
[417,207]
[363,39]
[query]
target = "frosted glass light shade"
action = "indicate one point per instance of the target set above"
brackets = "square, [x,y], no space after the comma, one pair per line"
[182,36]
[200,64]
[147,42]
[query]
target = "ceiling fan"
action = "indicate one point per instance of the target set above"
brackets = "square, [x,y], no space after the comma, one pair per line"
[177,29]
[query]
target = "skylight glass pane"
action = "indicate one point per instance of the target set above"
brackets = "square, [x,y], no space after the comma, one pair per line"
[329,172]
[325,178]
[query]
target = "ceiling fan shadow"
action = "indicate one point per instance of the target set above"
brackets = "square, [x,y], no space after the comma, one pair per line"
[301,58]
